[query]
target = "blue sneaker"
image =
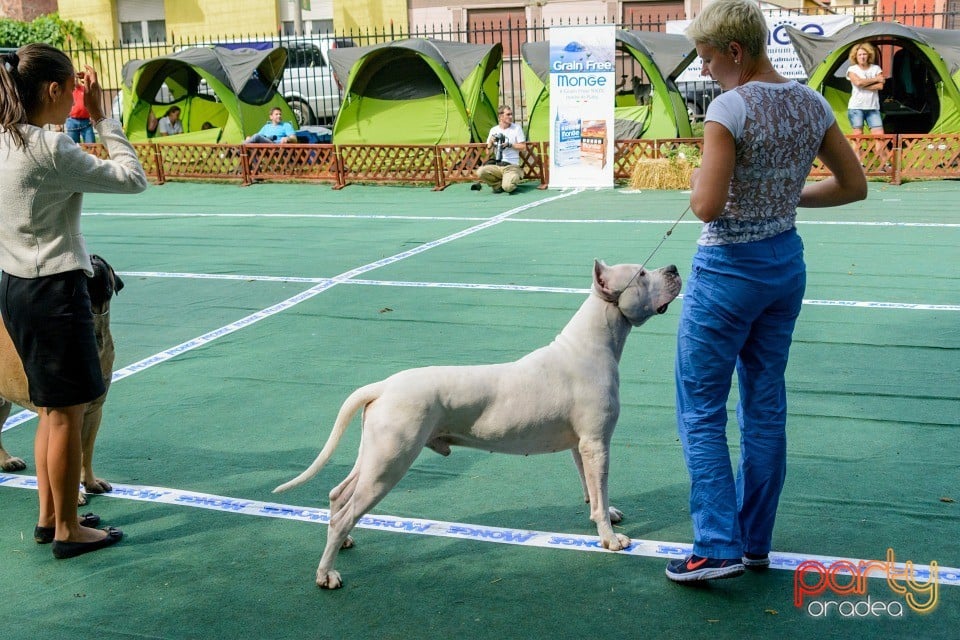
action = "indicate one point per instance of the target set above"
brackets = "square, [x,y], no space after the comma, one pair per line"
[693,568]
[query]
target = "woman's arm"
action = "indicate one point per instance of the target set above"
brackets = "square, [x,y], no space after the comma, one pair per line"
[710,184]
[848,182]
[865,83]
[80,171]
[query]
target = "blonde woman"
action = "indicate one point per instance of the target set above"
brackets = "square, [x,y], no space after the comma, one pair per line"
[746,288]
[866,80]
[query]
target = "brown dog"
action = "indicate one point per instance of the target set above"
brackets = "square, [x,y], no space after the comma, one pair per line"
[13,380]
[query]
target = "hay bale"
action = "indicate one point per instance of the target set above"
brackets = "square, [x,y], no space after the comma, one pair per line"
[661,173]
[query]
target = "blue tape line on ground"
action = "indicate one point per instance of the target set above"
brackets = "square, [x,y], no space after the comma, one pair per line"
[463,531]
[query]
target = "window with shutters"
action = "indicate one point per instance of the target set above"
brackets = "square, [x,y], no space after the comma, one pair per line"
[142,21]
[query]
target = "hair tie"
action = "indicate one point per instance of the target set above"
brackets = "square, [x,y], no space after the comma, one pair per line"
[11,61]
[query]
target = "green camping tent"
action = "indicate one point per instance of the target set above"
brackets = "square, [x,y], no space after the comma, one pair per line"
[417,91]
[654,109]
[224,95]
[921,94]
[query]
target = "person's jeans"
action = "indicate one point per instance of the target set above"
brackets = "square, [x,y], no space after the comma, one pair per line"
[740,306]
[79,130]
[857,117]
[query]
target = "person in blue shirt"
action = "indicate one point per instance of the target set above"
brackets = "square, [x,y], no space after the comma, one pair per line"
[274,132]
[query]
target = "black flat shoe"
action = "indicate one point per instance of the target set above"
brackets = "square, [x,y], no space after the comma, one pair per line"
[44,535]
[64,550]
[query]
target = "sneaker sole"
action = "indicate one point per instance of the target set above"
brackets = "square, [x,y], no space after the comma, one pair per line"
[707,574]
[756,564]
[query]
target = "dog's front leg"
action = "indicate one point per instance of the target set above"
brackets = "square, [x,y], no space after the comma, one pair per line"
[615,514]
[595,460]
[91,425]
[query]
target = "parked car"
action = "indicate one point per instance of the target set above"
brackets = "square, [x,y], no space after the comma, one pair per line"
[698,95]
[308,84]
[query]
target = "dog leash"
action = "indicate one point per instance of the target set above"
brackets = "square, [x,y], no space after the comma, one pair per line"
[643,265]
[664,238]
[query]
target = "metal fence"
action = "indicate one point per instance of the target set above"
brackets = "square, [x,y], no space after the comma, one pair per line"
[110,58]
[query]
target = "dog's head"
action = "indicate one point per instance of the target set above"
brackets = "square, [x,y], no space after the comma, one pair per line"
[104,283]
[638,293]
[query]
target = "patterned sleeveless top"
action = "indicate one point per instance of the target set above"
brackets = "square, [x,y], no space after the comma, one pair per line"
[778,129]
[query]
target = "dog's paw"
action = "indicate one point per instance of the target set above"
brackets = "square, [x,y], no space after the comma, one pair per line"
[329,579]
[619,542]
[98,486]
[615,515]
[12,463]
[347,543]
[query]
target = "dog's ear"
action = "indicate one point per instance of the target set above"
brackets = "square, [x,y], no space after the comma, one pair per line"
[601,281]
[105,282]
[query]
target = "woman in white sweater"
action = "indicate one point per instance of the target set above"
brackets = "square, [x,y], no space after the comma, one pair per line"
[43,290]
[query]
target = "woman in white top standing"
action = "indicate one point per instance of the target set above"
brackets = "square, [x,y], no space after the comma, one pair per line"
[866,80]
[43,290]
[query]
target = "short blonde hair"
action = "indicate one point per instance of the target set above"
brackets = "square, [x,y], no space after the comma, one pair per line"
[725,21]
[866,46]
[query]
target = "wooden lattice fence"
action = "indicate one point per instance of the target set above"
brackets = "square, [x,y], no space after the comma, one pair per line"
[894,157]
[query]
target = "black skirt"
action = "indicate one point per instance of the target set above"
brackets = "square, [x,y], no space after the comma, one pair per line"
[50,322]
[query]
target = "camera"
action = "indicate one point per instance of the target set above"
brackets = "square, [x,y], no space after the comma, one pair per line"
[500,143]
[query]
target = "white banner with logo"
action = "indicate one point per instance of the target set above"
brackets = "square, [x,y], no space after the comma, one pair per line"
[779,49]
[582,88]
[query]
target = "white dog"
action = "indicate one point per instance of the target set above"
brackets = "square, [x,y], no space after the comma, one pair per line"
[565,395]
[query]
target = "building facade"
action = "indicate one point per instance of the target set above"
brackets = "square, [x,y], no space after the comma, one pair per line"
[26,10]
[159,21]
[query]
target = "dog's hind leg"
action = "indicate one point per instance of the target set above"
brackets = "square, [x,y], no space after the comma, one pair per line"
[596,465]
[341,494]
[615,514]
[379,468]
[7,461]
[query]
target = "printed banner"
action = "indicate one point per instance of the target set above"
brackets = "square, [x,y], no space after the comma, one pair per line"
[582,87]
[779,49]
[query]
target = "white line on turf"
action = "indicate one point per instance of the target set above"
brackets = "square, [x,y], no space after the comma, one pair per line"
[318,288]
[378,216]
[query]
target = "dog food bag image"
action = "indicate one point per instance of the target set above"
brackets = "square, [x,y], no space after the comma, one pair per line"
[593,143]
[567,134]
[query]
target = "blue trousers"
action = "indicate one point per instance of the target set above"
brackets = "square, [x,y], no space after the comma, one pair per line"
[740,306]
[80,130]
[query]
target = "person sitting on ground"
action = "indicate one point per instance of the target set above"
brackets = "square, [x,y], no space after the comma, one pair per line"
[274,132]
[503,173]
[170,124]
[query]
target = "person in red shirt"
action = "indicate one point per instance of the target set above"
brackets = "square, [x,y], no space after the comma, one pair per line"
[78,125]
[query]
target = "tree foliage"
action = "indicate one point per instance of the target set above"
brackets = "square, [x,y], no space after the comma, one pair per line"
[50,28]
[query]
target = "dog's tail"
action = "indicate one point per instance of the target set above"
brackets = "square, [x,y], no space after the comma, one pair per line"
[354,402]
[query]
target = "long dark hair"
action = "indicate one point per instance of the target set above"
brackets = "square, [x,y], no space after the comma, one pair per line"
[24,77]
